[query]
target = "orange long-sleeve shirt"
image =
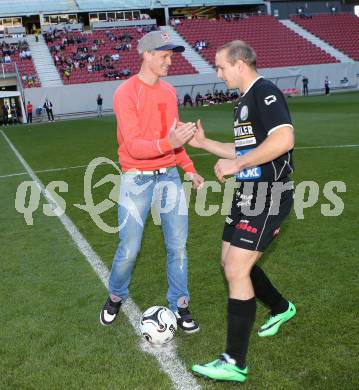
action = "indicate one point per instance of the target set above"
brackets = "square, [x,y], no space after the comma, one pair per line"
[145,114]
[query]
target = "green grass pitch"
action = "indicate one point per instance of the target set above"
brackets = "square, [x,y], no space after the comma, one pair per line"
[50,335]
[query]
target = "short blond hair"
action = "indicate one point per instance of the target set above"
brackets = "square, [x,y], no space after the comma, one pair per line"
[239,50]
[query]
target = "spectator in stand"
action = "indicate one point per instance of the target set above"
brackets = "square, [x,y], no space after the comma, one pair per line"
[120,47]
[67,73]
[110,74]
[48,107]
[99,106]
[115,57]
[200,45]
[30,80]
[29,112]
[126,72]
[204,45]
[197,46]
[7,59]
[112,38]
[127,37]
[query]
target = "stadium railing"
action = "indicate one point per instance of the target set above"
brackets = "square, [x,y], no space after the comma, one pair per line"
[63,27]
[122,23]
[15,32]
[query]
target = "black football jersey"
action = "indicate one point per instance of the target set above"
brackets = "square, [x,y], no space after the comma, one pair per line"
[260,111]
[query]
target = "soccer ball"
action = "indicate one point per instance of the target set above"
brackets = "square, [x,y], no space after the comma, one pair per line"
[158,325]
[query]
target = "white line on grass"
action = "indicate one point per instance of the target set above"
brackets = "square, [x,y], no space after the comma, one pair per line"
[169,362]
[192,155]
[326,147]
[46,170]
[13,174]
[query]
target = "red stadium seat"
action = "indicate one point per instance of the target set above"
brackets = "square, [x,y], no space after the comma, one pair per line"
[336,29]
[128,59]
[281,47]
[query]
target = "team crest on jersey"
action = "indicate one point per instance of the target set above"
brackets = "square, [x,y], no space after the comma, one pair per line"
[270,99]
[244,113]
[165,37]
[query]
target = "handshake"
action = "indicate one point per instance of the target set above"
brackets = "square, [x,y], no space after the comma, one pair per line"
[193,134]
[181,133]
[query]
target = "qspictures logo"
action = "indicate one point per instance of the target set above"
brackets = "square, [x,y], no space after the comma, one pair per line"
[306,195]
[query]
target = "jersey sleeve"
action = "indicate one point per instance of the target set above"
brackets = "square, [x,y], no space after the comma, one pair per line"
[272,108]
[129,127]
[184,161]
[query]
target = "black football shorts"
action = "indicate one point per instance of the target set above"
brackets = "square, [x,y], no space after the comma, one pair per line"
[256,232]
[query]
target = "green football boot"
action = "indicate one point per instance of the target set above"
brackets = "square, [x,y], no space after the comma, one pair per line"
[272,325]
[222,369]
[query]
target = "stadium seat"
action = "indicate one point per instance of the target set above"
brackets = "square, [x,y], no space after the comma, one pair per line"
[338,30]
[128,58]
[281,46]
[25,67]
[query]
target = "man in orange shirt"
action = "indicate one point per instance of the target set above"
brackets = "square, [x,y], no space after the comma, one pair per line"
[151,139]
[29,112]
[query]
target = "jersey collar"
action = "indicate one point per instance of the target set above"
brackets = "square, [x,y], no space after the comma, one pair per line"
[251,85]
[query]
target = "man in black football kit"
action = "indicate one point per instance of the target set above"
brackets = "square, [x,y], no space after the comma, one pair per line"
[261,159]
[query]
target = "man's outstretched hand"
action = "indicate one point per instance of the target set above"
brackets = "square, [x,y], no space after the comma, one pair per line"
[180,133]
[225,167]
[198,139]
[197,180]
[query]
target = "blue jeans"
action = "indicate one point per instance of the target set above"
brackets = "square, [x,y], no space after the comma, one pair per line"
[137,194]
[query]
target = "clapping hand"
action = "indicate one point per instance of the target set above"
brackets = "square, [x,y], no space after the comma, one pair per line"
[180,133]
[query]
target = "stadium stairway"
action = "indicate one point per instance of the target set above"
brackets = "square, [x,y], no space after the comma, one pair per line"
[198,62]
[316,41]
[45,67]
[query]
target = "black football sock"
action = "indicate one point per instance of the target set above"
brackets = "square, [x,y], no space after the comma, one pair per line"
[266,292]
[241,316]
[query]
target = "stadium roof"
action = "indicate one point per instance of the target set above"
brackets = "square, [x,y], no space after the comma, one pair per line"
[34,7]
